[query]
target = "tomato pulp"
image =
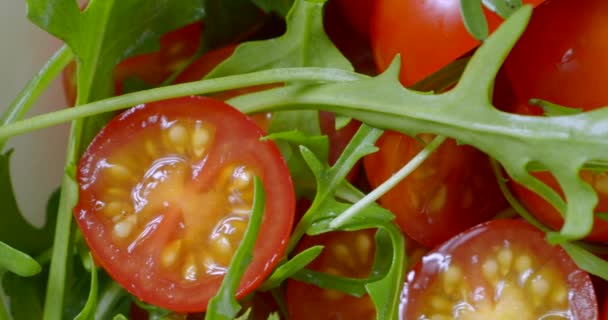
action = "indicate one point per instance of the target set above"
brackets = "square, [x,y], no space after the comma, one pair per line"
[502,269]
[561,57]
[166,191]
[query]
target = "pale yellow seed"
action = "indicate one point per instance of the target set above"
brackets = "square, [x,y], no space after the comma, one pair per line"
[120,172]
[170,253]
[241,179]
[505,258]
[441,303]
[451,277]
[343,255]
[364,245]
[490,270]
[190,270]
[124,228]
[523,263]
[221,245]
[332,295]
[118,193]
[414,200]
[178,135]
[540,288]
[560,294]
[151,149]
[439,199]
[200,140]
[440,317]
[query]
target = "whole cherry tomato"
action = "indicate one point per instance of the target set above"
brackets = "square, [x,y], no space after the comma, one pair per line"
[561,57]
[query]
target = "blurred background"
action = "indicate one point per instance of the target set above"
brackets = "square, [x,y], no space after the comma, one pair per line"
[37,161]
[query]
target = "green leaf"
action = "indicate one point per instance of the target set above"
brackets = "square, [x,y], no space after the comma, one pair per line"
[15,231]
[587,261]
[88,312]
[280,7]
[224,306]
[290,267]
[17,262]
[304,44]
[26,295]
[228,21]
[552,109]
[273,316]
[120,316]
[504,8]
[351,286]
[474,19]
[244,316]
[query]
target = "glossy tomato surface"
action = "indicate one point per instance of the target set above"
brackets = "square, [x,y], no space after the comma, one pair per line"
[561,58]
[453,190]
[346,254]
[502,269]
[166,190]
[176,49]
[428,34]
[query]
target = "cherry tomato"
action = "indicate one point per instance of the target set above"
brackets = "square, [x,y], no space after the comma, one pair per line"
[564,63]
[176,49]
[166,193]
[453,190]
[428,35]
[358,13]
[502,269]
[347,254]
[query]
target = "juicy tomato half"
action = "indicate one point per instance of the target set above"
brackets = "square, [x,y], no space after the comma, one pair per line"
[346,254]
[502,269]
[428,35]
[564,63]
[166,191]
[453,190]
[176,49]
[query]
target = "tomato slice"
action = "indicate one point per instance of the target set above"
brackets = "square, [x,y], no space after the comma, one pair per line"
[166,194]
[502,269]
[565,64]
[347,254]
[453,190]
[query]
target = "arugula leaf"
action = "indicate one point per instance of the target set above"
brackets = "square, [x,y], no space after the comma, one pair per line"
[291,267]
[474,19]
[26,295]
[552,109]
[88,312]
[224,306]
[17,262]
[15,231]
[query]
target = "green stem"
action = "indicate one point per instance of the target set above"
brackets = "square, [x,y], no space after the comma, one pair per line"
[108,299]
[388,184]
[179,90]
[36,86]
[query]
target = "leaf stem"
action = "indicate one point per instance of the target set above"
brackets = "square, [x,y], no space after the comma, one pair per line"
[179,90]
[388,184]
[36,86]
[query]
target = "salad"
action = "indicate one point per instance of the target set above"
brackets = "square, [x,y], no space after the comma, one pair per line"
[298,159]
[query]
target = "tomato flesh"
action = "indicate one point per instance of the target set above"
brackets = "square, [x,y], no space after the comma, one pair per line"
[166,191]
[502,269]
[347,254]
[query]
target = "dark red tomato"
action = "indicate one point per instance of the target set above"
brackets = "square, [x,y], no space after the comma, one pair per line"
[428,34]
[604,315]
[502,269]
[176,49]
[453,190]
[562,58]
[358,13]
[166,191]
[347,254]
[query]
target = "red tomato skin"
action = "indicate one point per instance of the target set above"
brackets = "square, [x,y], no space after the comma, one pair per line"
[428,34]
[138,273]
[566,66]
[453,190]
[477,241]
[358,13]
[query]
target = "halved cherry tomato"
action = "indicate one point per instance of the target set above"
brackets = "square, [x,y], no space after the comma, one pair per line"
[176,49]
[561,58]
[502,269]
[453,190]
[165,197]
[346,254]
[428,35]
